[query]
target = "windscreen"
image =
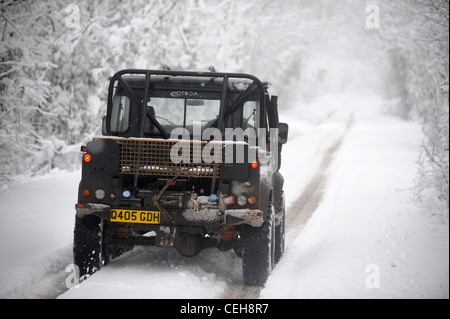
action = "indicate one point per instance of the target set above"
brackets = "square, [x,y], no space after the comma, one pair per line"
[174,113]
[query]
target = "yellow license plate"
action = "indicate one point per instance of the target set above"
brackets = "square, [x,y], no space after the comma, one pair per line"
[135,216]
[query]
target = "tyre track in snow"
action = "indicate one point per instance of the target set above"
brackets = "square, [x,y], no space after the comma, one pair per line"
[304,206]
[299,212]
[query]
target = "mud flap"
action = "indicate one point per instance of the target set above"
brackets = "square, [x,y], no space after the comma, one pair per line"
[265,191]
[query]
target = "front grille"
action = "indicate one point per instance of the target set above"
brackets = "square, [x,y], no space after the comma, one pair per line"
[152,157]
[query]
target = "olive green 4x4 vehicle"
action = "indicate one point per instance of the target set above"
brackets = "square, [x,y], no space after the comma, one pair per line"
[187,160]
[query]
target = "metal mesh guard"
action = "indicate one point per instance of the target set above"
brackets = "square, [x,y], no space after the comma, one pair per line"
[152,157]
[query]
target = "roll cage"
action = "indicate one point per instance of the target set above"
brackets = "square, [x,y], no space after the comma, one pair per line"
[232,90]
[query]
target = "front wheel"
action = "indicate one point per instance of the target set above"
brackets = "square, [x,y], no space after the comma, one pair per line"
[258,250]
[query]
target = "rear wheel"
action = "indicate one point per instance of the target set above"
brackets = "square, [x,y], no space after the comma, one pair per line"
[258,248]
[280,229]
[88,250]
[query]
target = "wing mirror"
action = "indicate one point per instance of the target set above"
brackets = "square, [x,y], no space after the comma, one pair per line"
[283,130]
[104,131]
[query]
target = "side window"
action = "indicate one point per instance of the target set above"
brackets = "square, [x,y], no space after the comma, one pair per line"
[120,117]
[250,115]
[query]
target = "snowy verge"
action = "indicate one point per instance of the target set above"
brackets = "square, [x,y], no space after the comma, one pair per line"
[37,219]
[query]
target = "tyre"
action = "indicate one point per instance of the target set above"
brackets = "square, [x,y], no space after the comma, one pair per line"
[280,229]
[258,248]
[87,247]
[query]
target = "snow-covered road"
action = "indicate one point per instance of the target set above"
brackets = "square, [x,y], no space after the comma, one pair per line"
[354,230]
